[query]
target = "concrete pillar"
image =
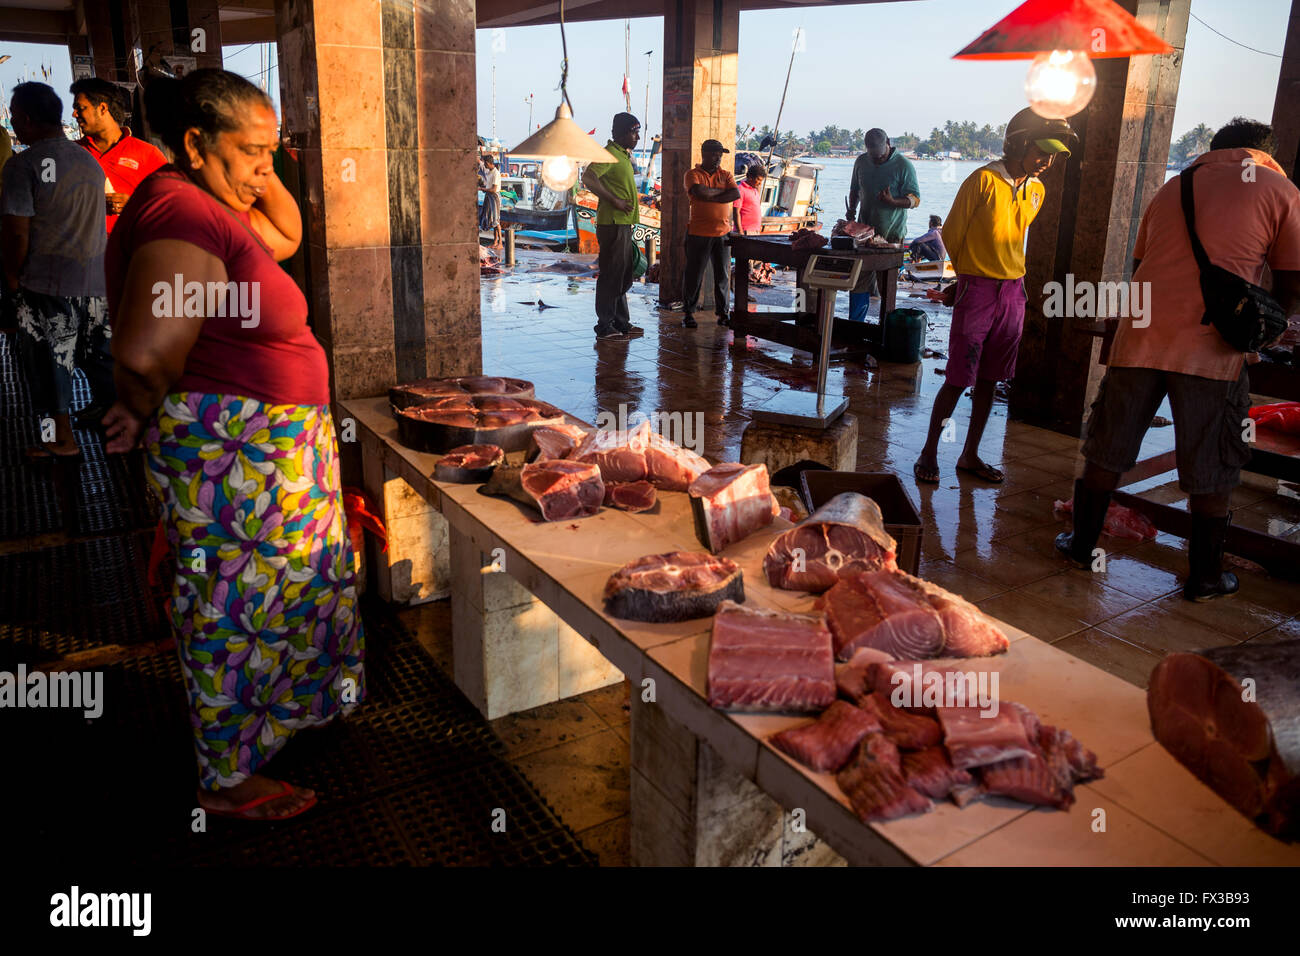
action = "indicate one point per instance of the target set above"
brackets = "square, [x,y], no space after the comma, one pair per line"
[1089,221]
[510,652]
[701,44]
[1286,108]
[689,808]
[107,30]
[379,100]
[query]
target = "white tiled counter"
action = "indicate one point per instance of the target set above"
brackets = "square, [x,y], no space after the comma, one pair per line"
[706,787]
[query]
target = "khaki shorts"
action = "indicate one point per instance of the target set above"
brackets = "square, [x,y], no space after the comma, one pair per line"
[1208,416]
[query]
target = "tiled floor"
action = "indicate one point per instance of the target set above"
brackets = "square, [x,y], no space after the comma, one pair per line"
[993,545]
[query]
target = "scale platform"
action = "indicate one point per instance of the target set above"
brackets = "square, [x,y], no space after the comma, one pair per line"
[789,407]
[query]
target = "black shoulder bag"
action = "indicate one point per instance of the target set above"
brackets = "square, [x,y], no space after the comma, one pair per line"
[1245,314]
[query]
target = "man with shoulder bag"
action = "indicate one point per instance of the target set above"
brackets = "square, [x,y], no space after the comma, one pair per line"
[1201,250]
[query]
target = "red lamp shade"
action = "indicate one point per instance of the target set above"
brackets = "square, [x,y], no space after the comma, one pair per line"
[1099,28]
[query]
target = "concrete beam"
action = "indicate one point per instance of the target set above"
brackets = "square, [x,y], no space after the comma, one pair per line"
[1286,108]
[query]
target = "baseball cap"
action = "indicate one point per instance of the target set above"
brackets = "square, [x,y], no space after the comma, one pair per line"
[1050,146]
[713,146]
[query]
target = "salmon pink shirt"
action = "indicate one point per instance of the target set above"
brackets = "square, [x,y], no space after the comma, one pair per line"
[1247,214]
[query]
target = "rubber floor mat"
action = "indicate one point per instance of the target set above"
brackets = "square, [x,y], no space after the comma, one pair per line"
[414,777]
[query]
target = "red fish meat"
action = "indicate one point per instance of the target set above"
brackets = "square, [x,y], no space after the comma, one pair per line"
[676,586]
[974,738]
[874,783]
[908,731]
[1242,740]
[846,534]
[555,441]
[633,496]
[762,660]
[881,611]
[730,502]
[640,453]
[563,489]
[827,743]
[906,617]
[930,772]
[854,680]
[670,466]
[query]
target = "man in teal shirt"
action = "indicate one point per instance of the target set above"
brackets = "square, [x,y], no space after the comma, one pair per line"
[885,182]
[615,186]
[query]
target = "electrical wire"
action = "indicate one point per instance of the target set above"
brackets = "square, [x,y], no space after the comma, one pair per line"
[1230,39]
[564,66]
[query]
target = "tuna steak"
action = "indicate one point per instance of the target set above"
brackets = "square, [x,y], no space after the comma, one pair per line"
[762,660]
[1242,740]
[845,534]
[730,502]
[875,785]
[930,772]
[564,489]
[827,743]
[906,617]
[855,680]
[908,731]
[468,463]
[974,739]
[677,586]
[633,496]
[880,611]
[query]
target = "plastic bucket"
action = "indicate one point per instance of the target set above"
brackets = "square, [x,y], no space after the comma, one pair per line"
[904,336]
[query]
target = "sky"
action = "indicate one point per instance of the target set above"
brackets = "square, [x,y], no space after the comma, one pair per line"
[912,84]
[909,83]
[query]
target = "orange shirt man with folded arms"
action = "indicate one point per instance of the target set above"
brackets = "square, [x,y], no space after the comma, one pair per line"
[712,190]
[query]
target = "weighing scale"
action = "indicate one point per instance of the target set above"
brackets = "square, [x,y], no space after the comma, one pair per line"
[816,410]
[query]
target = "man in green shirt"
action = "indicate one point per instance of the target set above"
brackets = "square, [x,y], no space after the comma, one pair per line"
[884,181]
[615,186]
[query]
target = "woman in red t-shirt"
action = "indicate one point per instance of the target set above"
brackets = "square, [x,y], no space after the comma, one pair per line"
[218,372]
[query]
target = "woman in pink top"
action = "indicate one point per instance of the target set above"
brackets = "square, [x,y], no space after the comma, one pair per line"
[218,372]
[748,217]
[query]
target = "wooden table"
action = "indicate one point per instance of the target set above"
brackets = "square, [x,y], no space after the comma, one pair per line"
[706,786]
[798,329]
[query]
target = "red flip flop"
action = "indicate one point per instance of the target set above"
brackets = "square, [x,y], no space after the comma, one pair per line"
[241,812]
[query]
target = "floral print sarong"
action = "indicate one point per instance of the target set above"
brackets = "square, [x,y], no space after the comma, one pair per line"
[264,598]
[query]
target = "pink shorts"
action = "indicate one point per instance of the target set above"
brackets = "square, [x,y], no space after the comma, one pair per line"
[987,318]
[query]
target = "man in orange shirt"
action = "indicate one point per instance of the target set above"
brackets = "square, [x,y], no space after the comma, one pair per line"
[1247,216]
[712,190]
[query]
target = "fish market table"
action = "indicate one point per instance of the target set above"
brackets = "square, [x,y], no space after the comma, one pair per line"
[706,787]
[798,329]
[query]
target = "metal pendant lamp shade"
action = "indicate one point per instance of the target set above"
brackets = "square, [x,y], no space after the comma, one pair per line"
[1098,28]
[563,137]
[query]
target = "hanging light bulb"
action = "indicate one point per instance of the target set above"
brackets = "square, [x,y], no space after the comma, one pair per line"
[561,143]
[559,173]
[1060,83]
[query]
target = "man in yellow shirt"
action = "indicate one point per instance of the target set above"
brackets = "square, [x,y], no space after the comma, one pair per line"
[985,235]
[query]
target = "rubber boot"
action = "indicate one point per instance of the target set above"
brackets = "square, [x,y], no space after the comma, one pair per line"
[1089,517]
[1207,580]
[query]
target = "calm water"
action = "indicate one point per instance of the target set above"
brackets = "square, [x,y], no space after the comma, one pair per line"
[938,181]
